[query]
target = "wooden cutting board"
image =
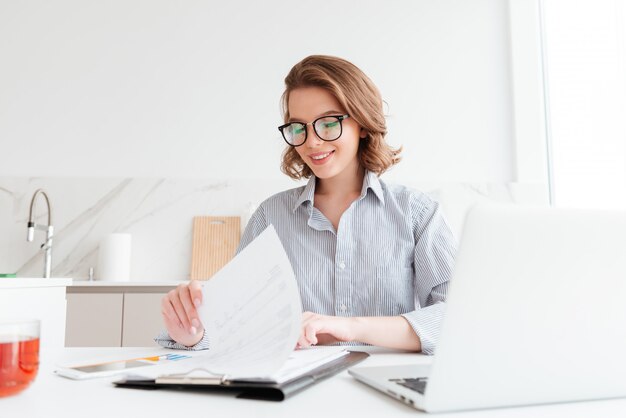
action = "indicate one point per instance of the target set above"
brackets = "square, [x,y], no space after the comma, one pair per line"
[215,240]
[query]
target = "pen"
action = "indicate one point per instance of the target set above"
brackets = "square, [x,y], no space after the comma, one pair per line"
[153,358]
[164,357]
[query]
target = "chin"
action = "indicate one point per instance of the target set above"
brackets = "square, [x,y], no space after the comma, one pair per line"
[323,173]
[327,176]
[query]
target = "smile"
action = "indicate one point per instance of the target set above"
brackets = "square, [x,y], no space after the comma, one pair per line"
[321,157]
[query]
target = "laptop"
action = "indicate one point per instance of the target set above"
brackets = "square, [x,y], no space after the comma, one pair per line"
[536,314]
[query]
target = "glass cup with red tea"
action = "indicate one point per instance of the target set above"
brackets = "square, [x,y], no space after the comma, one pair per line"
[19,355]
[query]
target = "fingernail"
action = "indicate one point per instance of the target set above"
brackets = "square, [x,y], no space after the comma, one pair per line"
[193,330]
[196,303]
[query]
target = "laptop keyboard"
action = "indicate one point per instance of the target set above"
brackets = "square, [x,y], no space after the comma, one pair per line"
[416,384]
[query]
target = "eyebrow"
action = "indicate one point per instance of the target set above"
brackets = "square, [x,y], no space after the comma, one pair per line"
[329,112]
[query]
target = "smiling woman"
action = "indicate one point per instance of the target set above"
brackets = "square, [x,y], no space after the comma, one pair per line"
[372,260]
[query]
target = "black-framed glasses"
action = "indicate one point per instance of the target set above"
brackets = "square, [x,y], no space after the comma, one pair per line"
[327,128]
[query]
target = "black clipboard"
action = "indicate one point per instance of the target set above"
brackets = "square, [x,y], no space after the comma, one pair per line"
[268,391]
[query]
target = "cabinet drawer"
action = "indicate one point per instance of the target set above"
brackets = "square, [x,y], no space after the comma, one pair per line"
[94,320]
[142,319]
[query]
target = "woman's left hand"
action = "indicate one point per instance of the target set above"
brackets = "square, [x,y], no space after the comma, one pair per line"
[323,329]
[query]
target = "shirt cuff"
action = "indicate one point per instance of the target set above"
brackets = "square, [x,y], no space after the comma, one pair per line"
[164,340]
[426,323]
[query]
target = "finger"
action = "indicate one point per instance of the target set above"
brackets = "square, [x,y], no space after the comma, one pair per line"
[192,313]
[310,333]
[168,301]
[190,310]
[308,318]
[180,310]
[173,326]
[195,291]
[302,341]
[169,313]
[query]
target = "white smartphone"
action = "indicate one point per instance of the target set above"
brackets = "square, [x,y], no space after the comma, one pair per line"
[89,371]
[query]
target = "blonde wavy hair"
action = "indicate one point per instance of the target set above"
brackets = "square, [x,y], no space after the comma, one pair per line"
[357,95]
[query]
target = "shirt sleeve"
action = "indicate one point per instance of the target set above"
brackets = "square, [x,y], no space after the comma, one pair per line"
[256,225]
[435,250]
[164,340]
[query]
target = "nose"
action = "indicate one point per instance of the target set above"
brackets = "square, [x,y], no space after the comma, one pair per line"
[311,136]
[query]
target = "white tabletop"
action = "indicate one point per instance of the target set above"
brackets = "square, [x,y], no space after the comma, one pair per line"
[53,396]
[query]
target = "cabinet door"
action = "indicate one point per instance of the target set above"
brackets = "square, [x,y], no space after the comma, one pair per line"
[142,319]
[94,320]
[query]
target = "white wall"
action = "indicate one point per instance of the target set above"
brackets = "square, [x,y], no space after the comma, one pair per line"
[586,72]
[191,89]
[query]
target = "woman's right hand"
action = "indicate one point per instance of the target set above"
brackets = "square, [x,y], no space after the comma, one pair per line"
[180,314]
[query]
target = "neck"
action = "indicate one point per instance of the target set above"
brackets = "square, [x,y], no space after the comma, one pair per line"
[349,181]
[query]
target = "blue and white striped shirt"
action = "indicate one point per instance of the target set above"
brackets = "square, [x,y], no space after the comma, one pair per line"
[392,255]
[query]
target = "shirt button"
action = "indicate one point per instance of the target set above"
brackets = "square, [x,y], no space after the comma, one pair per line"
[342,265]
[343,307]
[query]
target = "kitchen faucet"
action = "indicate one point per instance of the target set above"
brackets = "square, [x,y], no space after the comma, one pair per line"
[46,246]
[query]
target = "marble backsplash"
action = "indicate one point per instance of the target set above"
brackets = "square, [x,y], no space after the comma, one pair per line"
[158,213]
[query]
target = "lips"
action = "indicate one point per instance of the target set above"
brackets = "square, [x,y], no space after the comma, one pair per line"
[321,157]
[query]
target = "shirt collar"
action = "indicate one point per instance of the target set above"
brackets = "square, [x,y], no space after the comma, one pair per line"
[370,181]
[307,194]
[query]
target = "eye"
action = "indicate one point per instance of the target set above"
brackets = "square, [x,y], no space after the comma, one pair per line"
[297,128]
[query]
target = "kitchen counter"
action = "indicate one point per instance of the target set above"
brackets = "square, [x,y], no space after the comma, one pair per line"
[96,283]
[107,313]
[86,286]
[17,283]
[101,286]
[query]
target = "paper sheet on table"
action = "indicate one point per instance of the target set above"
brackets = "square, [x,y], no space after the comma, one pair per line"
[299,363]
[251,311]
[304,360]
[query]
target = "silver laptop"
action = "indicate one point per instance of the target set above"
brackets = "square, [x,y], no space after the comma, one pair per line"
[536,314]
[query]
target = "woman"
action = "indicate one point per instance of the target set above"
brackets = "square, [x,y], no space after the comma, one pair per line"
[372,260]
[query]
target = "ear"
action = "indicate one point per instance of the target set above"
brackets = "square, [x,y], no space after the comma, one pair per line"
[363,133]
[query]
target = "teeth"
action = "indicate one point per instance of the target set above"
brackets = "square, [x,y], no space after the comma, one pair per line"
[320,157]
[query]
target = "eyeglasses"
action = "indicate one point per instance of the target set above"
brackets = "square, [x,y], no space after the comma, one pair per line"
[327,128]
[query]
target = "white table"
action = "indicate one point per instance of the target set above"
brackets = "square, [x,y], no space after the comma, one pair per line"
[53,396]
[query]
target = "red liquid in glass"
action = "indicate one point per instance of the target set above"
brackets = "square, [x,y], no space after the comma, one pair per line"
[19,362]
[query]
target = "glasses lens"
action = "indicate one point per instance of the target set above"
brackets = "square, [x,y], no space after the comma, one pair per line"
[295,133]
[328,128]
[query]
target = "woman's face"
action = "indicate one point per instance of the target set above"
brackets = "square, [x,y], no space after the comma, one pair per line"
[326,159]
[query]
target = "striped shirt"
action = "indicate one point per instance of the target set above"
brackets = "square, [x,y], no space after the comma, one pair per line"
[392,254]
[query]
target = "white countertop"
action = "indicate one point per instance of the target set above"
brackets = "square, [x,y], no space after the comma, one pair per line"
[21,282]
[103,283]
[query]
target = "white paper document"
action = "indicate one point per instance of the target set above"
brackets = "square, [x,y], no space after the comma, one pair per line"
[299,362]
[252,315]
[251,311]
